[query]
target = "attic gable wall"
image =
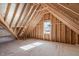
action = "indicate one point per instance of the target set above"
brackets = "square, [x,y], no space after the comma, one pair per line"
[59,32]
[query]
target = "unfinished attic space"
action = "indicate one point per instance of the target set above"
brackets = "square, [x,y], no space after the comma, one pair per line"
[31,29]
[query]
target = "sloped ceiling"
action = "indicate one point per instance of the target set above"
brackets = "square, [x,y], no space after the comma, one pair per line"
[65,15]
[21,15]
[73,6]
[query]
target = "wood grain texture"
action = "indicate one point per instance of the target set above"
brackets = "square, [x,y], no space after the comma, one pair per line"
[20,16]
[60,32]
[14,14]
[7,10]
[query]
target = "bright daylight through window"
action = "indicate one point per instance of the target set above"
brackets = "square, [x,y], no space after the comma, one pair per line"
[47,27]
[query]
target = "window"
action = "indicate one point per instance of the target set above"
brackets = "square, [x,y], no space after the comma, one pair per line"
[47,27]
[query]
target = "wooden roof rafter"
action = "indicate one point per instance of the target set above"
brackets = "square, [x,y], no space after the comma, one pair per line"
[29,19]
[22,21]
[42,9]
[63,17]
[14,14]
[38,16]
[6,26]
[33,19]
[27,16]
[68,9]
[20,16]
[7,10]
[36,21]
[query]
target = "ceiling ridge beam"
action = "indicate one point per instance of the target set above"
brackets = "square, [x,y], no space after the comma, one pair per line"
[42,9]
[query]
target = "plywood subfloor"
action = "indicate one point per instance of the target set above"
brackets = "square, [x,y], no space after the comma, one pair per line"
[46,48]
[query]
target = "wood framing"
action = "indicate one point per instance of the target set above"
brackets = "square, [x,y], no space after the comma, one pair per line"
[62,17]
[19,17]
[26,24]
[29,13]
[14,14]
[7,26]
[27,6]
[36,21]
[68,9]
[27,21]
[7,10]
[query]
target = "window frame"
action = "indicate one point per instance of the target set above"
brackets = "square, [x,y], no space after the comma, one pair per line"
[44,30]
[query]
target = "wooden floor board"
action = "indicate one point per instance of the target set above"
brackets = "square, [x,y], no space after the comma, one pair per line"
[46,48]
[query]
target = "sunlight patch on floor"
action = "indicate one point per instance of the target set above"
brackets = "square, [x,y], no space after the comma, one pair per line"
[30,46]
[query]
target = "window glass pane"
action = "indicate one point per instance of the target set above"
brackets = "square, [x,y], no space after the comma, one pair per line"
[47,27]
